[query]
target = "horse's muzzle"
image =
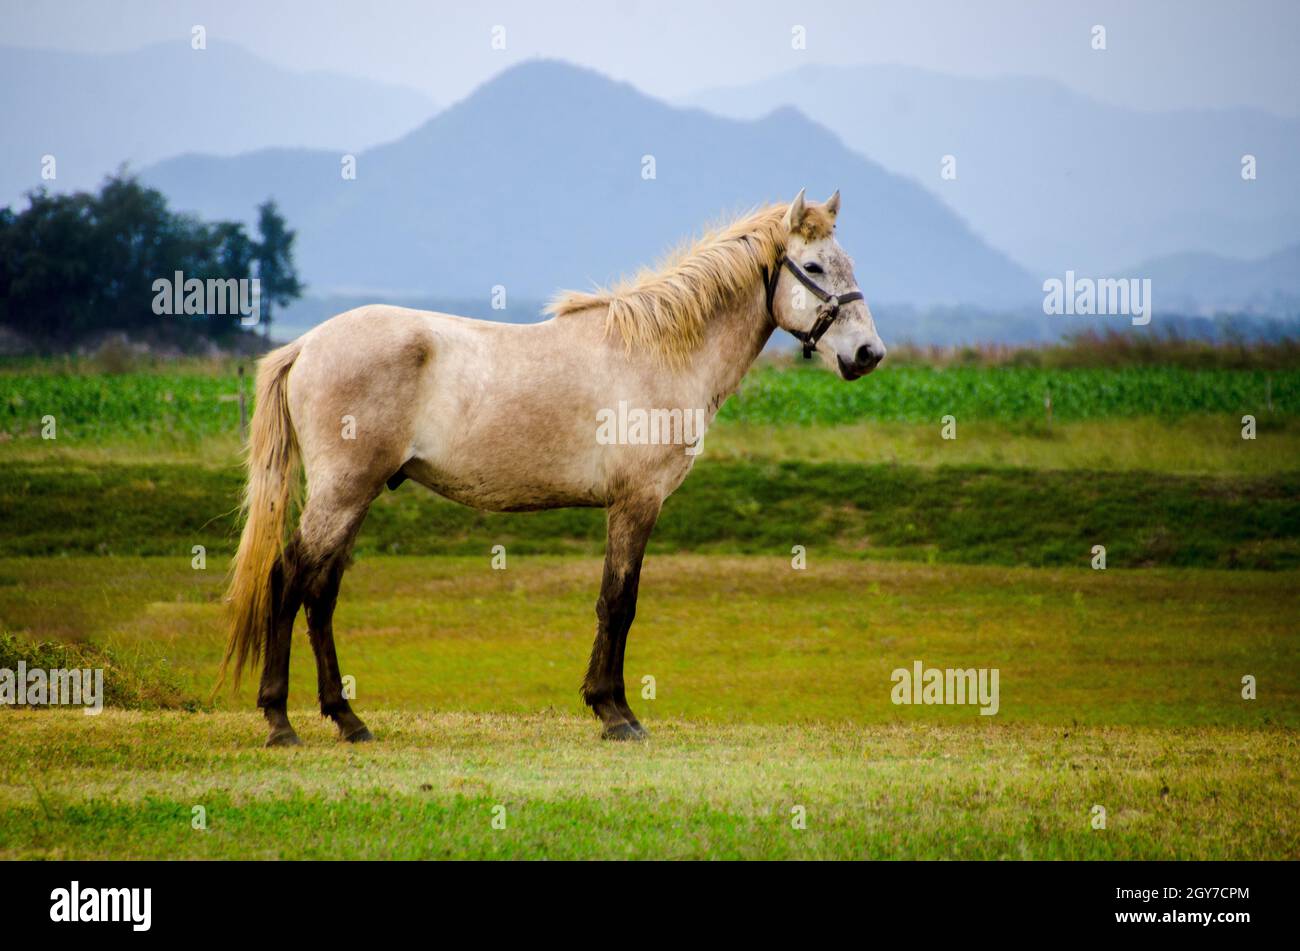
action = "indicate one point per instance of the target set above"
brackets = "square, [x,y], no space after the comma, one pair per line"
[866,359]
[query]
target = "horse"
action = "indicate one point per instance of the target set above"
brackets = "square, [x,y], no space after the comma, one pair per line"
[508,418]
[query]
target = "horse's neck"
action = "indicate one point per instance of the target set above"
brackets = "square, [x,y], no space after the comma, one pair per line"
[734,337]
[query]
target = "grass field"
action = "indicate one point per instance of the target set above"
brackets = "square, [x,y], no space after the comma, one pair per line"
[730,639]
[772,689]
[772,686]
[126,785]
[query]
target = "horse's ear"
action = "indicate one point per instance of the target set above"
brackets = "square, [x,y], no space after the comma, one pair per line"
[833,204]
[794,215]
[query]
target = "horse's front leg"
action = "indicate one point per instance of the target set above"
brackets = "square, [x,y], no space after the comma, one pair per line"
[630,522]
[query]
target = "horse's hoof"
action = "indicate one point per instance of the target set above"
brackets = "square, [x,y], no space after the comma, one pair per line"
[283,737]
[360,735]
[641,732]
[622,731]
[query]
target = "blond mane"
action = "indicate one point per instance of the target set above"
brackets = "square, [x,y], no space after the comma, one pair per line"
[665,309]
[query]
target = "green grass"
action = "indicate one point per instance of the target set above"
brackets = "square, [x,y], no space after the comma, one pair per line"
[192,404]
[189,404]
[125,785]
[1190,445]
[726,639]
[970,514]
[919,393]
[127,683]
[772,690]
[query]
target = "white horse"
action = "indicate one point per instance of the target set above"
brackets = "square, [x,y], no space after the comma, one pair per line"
[520,417]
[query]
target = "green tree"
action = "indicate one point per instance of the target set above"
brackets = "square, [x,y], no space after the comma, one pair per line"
[75,265]
[274,255]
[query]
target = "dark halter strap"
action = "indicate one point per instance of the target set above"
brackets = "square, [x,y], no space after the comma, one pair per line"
[826,313]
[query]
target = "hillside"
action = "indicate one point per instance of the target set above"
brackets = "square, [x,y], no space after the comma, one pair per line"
[94,112]
[535,182]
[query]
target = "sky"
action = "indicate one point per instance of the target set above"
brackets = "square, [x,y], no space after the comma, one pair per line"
[1159,54]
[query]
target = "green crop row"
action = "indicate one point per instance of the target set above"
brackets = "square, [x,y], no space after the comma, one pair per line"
[197,404]
[1008,394]
[110,405]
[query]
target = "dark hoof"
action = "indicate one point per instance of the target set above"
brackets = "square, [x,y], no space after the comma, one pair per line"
[622,731]
[359,735]
[641,732]
[284,736]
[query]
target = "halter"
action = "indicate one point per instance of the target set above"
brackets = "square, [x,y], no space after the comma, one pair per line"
[826,313]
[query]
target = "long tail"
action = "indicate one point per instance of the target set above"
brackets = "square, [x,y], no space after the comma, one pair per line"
[268,495]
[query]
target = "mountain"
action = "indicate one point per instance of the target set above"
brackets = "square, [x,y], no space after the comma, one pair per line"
[1209,283]
[1054,178]
[535,182]
[93,112]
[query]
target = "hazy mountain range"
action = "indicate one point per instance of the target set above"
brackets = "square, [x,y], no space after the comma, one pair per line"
[1196,282]
[1054,178]
[537,181]
[93,111]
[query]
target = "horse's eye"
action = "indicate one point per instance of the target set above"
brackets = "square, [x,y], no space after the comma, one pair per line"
[812,267]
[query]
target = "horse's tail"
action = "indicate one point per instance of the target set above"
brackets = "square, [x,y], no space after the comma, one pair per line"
[272,481]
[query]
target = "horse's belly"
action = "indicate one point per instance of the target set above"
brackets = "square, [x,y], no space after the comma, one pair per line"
[504,489]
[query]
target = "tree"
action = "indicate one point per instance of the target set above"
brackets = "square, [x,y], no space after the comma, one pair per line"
[76,265]
[274,256]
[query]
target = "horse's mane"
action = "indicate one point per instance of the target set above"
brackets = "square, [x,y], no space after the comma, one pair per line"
[665,309]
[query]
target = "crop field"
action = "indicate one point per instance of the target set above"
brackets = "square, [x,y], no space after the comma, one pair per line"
[198,403]
[766,682]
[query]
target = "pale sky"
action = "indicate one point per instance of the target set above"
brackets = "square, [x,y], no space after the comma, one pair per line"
[1160,54]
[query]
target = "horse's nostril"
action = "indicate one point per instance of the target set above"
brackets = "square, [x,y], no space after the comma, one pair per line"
[866,356]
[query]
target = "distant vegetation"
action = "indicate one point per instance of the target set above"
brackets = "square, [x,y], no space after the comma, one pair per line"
[116,395]
[1113,349]
[74,268]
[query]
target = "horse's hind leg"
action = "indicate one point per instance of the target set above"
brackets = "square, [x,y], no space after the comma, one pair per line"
[273,693]
[353,395]
[328,528]
[329,682]
[630,524]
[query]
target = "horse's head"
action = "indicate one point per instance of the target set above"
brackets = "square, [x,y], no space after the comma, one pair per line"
[815,296]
